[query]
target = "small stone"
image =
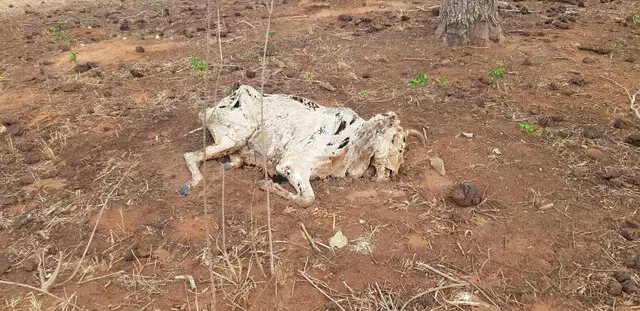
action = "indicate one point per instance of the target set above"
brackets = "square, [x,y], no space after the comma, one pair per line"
[594,154]
[404,18]
[124,26]
[458,218]
[578,81]
[624,124]
[527,62]
[631,234]
[171,94]
[290,73]
[26,179]
[554,86]
[250,74]
[136,73]
[465,195]
[139,49]
[615,288]
[445,62]
[633,139]
[327,86]
[345,18]
[438,165]
[591,132]
[630,287]
[589,60]
[622,275]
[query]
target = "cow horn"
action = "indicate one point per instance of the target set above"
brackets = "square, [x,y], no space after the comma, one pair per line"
[418,135]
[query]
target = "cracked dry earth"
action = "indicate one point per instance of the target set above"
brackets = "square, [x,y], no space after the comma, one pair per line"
[96,113]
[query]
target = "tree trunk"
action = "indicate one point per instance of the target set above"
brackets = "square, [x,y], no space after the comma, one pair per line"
[472,22]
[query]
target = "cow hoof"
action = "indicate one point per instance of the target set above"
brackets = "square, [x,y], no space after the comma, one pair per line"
[184,189]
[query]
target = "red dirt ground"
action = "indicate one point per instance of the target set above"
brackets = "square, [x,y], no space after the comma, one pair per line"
[71,137]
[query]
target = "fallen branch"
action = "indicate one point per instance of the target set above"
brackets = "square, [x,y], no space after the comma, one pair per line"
[52,279]
[320,290]
[632,98]
[308,236]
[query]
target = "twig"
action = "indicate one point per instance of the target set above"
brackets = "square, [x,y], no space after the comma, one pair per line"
[95,226]
[320,290]
[40,291]
[430,291]
[193,131]
[264,156]
[46,285]
[306,234]
[632,98]
[188,278]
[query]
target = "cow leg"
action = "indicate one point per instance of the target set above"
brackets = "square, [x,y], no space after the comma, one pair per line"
[299,179]
[226,146]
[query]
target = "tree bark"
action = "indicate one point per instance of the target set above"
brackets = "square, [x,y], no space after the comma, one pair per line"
[464,22]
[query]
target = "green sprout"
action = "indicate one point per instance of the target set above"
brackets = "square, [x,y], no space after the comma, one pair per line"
[272,33]
[362,93]
[442,81]
[619,44]
[73,56]
[530,129]
[498,72]
[199,66]
[58,31]
[421,79]
[308,75]
[634,19]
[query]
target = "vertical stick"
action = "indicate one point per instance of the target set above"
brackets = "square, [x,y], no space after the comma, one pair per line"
[264,159]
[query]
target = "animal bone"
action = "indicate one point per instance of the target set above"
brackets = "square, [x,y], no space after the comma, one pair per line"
[301,140]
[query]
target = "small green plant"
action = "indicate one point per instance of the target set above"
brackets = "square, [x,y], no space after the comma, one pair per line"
[199,66]
[141,35]
[530,129]
[58,31]
[498,72]
[634,19]
[421,79]
[442,81]
[73,56]
[362,93]
[619,44]
[308,75]
[272,33]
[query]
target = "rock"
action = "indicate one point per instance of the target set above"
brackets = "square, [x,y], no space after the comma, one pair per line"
[527,62]
[326,86]
[630,287]
[589,60]
[624,124]
[171,94]
[5,264]
[459,218]
[125,25]
[80,68]
[615,288]
[578,81]
[161,254]
[591,132]
[554,86]
[250,74]
[139,49]
[345,18]
[594,154]
[404,18]
[465,195]
[602,50]
[630,59]
[609,174]
[631,234]
[26,179]
[136,73]
[438,165]
[633,139]
[290,73]
[338,240]
[622,276]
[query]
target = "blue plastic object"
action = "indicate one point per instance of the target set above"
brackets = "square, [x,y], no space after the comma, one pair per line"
[184,189]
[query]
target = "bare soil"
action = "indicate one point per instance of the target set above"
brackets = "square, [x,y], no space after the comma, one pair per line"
[557,228]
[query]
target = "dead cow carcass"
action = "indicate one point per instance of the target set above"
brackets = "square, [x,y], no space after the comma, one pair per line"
[301,139]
